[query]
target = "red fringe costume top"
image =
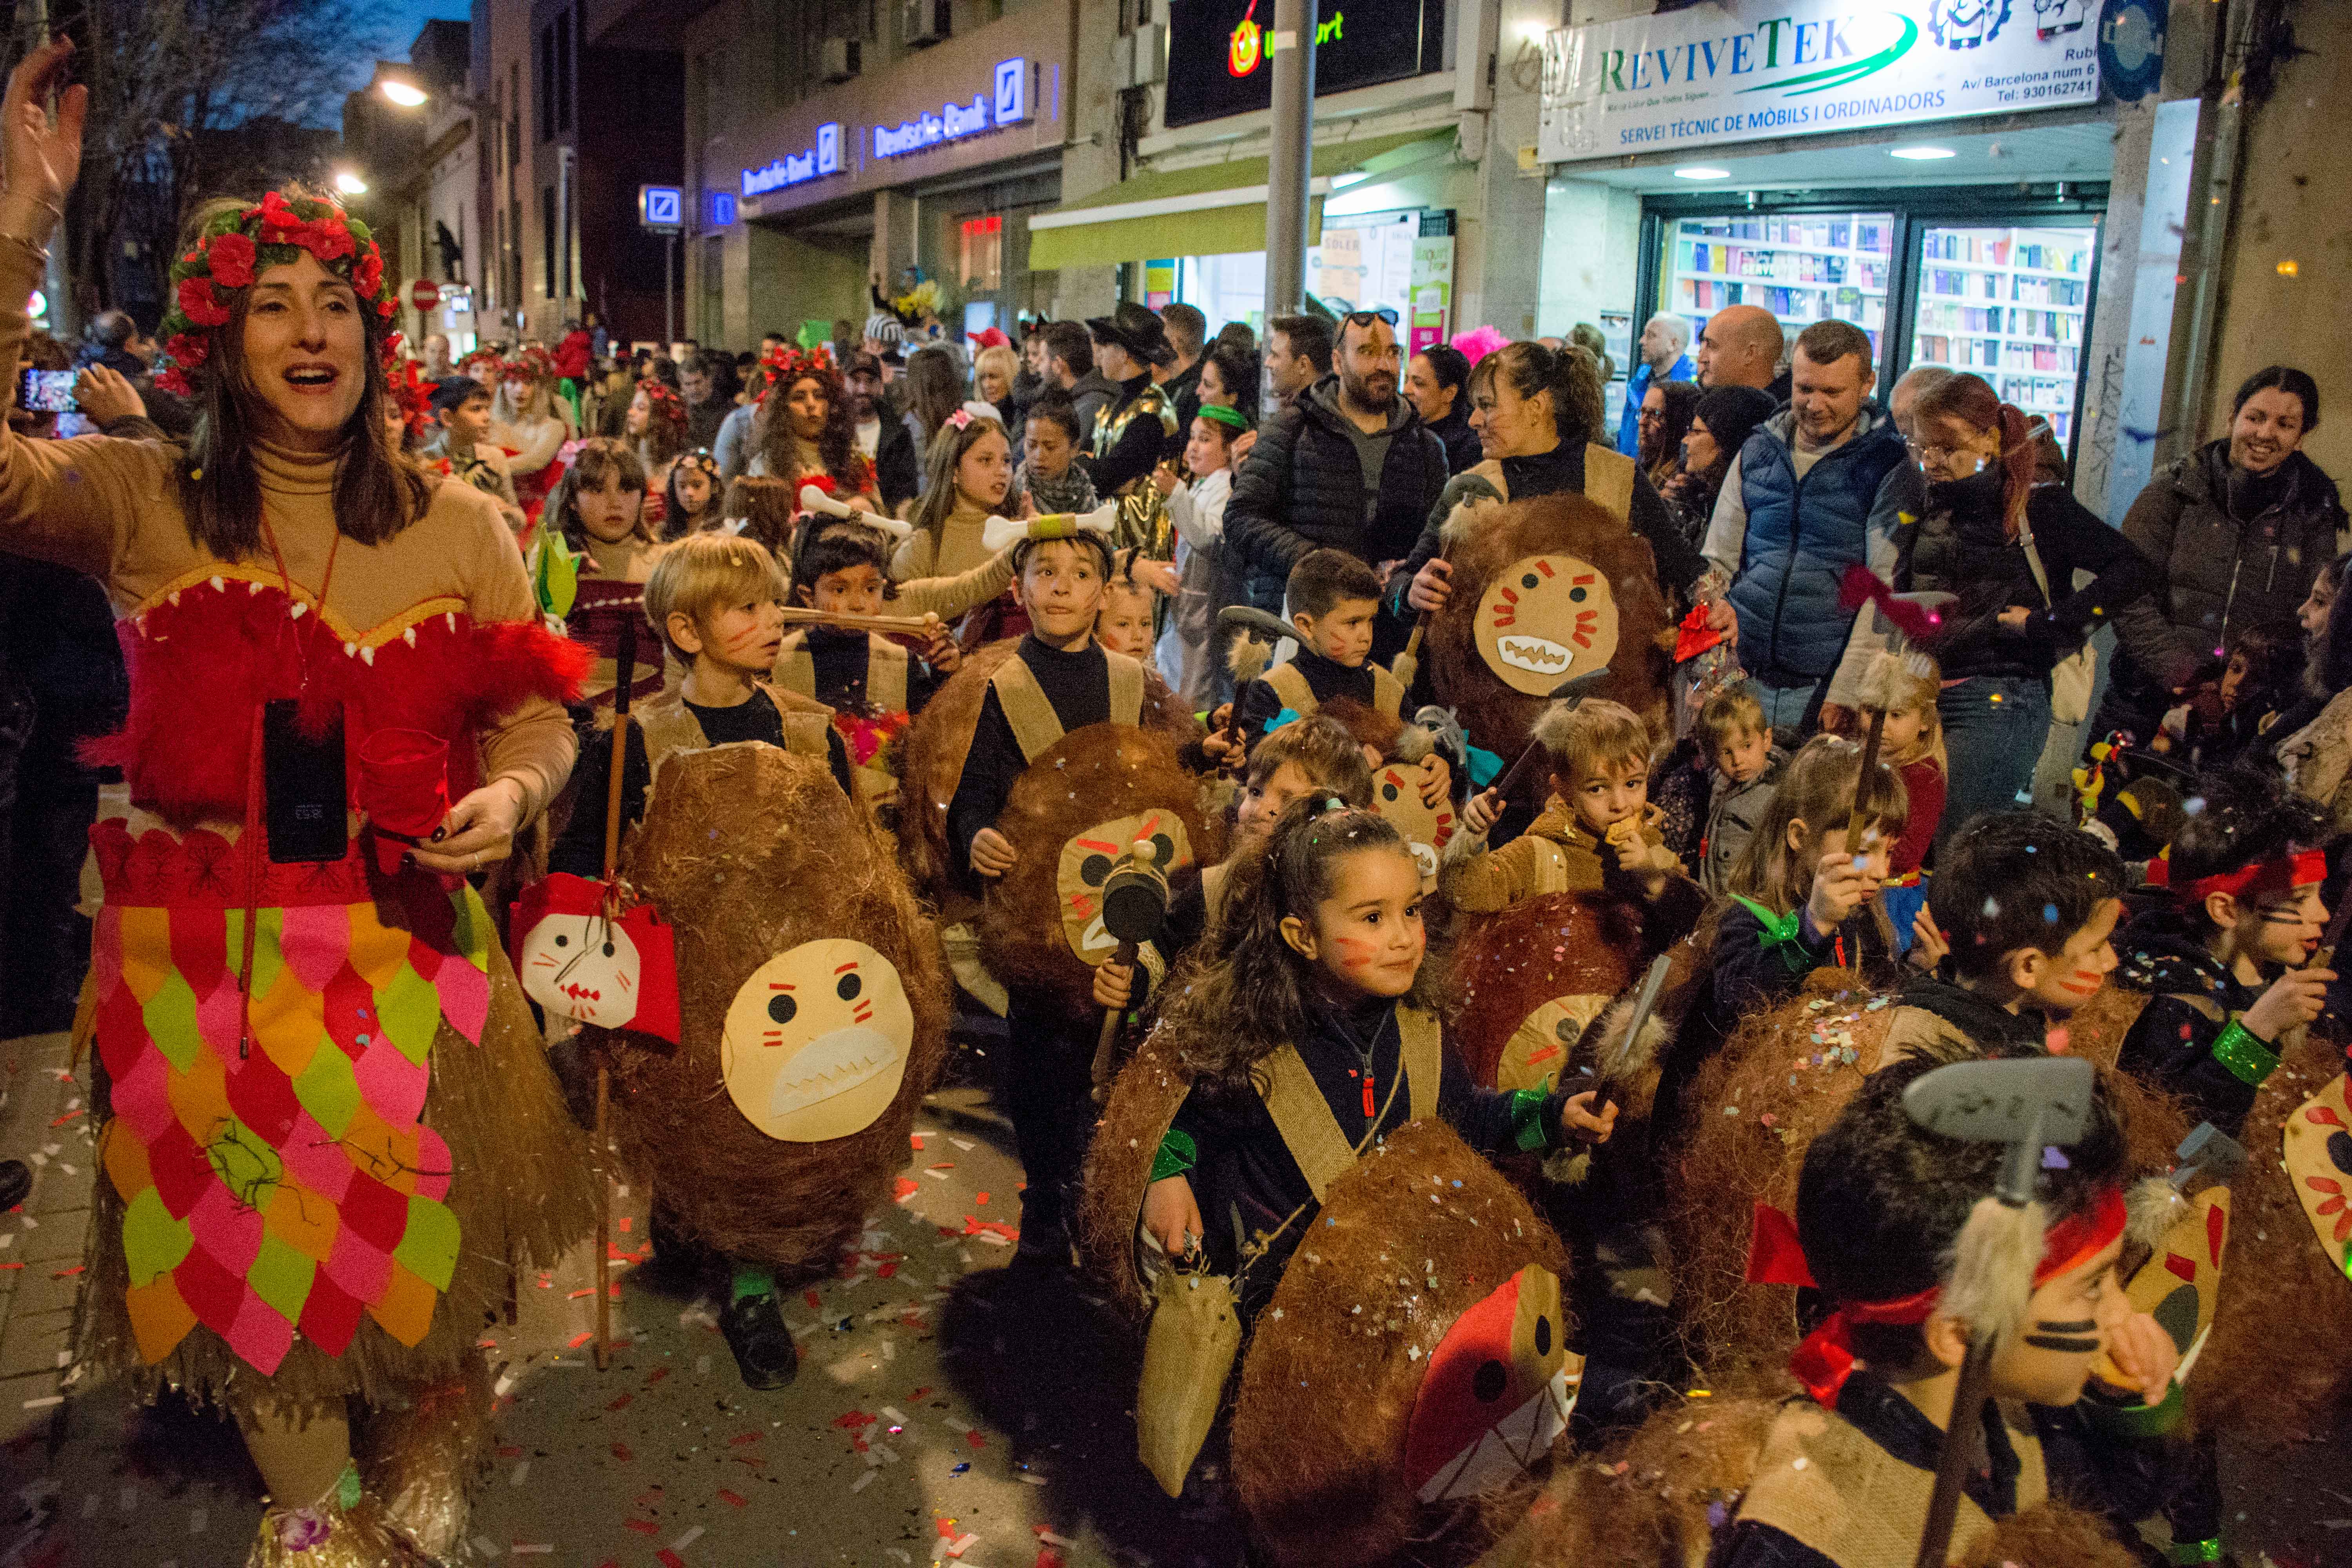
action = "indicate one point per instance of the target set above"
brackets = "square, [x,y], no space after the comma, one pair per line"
[279,1183]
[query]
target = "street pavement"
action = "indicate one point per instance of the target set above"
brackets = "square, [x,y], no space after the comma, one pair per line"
[948,1408]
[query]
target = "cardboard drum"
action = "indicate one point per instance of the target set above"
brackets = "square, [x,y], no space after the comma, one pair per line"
[1088,861]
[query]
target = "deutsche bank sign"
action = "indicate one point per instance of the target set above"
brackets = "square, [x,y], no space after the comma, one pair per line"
[798,168]
[1005,103]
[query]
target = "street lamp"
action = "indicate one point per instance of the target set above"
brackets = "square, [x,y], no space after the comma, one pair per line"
[350,184]
[406,94]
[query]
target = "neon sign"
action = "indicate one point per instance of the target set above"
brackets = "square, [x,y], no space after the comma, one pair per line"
[1005,103]
[798,168]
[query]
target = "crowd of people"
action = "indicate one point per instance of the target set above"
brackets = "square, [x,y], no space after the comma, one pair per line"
[1017,600]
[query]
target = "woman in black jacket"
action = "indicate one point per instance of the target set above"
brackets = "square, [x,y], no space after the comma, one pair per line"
[2236,531]
[2008,550]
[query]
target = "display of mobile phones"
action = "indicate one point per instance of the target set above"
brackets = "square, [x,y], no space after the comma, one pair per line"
[48,391]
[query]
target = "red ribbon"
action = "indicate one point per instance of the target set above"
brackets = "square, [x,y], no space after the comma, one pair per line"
[2278,875]
[1826,1359]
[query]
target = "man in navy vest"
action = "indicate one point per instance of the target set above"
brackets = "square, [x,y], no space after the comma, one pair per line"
[1821,486]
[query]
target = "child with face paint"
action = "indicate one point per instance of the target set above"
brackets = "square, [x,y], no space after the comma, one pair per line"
[1316,974]
[1123,625]
[1843,1480]
[1597,829]
[1314,755]
[1333,599]
[1802,897]
[2227,965]
[2027,908]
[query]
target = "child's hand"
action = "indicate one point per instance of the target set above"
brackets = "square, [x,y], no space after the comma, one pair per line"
[1164,481]
[1160,576]
[861,502]
[1172,1216]
[2298,997]
[940,651]
[1483,810]
[1839,888]
[1114,984]
[1928,943]
[1583,1123]
[2144,1352]
[1220,747]
[992,854]
[1436,781]
[1029,512]
[1431,587]
[2014,619]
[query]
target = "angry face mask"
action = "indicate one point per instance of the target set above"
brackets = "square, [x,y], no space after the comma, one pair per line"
[1544,620]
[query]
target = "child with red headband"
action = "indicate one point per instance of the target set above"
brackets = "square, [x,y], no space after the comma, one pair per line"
[1845,1476]
[2225,964]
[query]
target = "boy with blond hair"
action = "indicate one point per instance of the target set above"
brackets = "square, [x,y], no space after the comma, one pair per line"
[1597,828]
[1733,737]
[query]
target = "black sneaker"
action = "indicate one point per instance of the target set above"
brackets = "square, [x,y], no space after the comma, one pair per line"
[755,1330]
[15,1181]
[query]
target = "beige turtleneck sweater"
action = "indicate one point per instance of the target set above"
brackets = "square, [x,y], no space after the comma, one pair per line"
[953,575]
[112,508]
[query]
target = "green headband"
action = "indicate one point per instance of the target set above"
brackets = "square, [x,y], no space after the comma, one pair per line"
[1224,415]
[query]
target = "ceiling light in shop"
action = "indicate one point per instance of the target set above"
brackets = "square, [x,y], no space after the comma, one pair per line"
[1701,172]
[1922,154]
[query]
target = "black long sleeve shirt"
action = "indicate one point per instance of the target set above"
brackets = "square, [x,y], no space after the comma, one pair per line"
[1078,683]
[581,849]
[1139,449]
[1328,678]
[2172,1042]
[841,654]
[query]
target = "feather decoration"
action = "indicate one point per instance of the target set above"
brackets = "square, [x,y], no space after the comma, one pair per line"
[1862,587]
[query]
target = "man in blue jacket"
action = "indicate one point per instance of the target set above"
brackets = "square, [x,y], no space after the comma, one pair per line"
[1822,485]
[1661,359]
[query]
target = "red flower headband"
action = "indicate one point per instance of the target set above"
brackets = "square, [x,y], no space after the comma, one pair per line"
[786,366]
[409,388]
[533,363]
[1825,1360]
[237,246]
[2271,879]
[662,402]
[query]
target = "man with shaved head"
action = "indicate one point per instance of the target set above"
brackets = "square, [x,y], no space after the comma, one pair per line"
[1740,347]
[1660,358]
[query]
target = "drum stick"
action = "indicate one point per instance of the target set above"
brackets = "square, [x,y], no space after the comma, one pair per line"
[1872,727]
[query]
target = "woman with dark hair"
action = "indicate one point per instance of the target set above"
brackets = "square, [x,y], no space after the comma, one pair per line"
[1437,381]
[656,426]
[1229,377]
[802,430]
[2316,755]
[2237,530]
[1539,414]
[1664,419]
[2008,549]
[319,1164]
[1721,422]
[931,389]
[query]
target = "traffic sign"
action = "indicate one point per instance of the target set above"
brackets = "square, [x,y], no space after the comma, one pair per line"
[661,208]
[424,293]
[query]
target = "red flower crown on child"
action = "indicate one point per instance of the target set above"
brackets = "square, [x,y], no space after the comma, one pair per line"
[236,247]
[533,363]
[786,366]
[662,402]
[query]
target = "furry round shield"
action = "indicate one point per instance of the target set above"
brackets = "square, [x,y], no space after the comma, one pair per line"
[1089,857]
[1144,1100]
[1536,975]
[1495,676]
[930,763]
[1099,775]
[1756,1106]
[2278,1365]
[1426,829]
[771,878]
[1339,1355]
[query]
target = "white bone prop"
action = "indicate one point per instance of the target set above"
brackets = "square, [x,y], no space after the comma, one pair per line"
[1001,531]
[816,500]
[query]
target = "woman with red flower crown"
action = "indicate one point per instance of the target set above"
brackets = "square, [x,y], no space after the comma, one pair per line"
[534,423]
[327,1130]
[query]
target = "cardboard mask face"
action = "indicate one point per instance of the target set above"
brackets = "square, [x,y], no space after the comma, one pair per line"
[1396,795]
[1539,1048]
[1499,1390]
[1087,864]
[2319,1158]
[617,973]
[1545,619]
[2181,1280]
[815,1041]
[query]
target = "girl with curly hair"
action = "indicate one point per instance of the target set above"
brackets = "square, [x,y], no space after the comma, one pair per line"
[802,430]
[1317,974]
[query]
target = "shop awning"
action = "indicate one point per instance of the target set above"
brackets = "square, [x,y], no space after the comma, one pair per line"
[1215,209]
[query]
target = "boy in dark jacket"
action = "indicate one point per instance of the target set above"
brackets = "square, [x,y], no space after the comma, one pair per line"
[1748,768]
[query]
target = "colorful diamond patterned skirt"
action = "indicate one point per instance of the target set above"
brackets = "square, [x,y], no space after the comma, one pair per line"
[322,1191]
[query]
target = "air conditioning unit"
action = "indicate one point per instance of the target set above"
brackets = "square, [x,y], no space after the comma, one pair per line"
[1141,57]
[923,23]
[841,59]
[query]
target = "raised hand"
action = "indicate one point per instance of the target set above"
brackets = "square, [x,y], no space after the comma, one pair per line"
[40,157]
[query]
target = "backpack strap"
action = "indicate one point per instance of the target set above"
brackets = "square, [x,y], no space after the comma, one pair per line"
[1609,479]
[795,666]
[1035,726]
[1388,694]
[1422,1048]
[1291,686]
[1126,687]
[886,673]
[1303,1118]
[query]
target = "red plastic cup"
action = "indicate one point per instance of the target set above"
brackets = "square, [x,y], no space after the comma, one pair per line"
[404,789]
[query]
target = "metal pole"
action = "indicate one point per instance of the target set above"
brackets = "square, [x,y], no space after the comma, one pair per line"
[669,294]
[2212,198]
[1289,172]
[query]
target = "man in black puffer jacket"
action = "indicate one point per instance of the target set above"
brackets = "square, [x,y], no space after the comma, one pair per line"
[1348,465]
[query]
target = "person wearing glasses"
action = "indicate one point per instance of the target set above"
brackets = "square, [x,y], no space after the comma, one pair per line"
[1346,466]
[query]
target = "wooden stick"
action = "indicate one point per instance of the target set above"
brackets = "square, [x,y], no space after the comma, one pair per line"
[1107,1042]
[604,1217]
[625,667]
[1871,726]
[796,615]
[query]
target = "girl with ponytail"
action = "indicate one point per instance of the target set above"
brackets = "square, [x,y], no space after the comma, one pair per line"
[1993,537]
[1316,970]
